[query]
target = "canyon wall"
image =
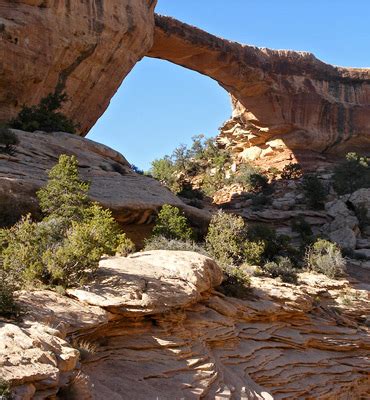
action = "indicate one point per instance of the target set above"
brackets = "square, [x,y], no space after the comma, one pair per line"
[284,101]
[84,48]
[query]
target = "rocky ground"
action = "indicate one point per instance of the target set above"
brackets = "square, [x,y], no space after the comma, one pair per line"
[153,325]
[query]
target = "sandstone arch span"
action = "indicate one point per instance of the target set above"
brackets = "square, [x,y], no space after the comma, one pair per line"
[283,100]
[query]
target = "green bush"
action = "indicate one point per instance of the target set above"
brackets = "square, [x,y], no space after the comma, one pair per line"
[291,171]
[164,171]
[225,239]
[66,246]
[314,191]
[5,390]
[236,283]
[172,224]
[280,268]
[273,244]
[8,140]
[326,258]
[253,252]
[65,195]
[8,306]
[44,117]
[163,243]
[351,175]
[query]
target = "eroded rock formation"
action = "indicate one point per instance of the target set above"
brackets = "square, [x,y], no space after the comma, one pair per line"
[152,326]
[84,48]
[286,103]
[134,199]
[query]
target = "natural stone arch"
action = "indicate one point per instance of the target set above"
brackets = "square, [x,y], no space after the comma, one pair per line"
[281,98]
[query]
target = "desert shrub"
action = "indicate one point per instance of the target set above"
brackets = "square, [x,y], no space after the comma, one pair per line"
[352,174]
[162,243]
[164,171]
[314,191]
[291,171]
[326,258]
[253,252]
[244,174]
[125,246]
[8,306]
[273,244]
[260,201]
[45,116]
[225,238]
[282,268]
[236,283]
[212,182]
[259,182]
[66,246]
[303,228]
[5,390]
[172,224]
[8,140]
[85,242]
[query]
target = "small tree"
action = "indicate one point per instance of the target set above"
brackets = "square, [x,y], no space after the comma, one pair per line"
[45,116]
[314,191]
[225,238]
[351,175]
[172,224]
[65,195]
[66,246]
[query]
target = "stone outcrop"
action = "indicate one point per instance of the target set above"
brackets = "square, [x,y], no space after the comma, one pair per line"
[133,198]
[152,326]
[287,105]
[84,48]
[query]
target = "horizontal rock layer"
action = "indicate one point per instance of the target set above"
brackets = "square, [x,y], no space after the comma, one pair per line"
[163,332]
[284,101]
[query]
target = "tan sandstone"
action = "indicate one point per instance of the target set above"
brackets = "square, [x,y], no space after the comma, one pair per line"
[84,48]
[188,341]
[287,105]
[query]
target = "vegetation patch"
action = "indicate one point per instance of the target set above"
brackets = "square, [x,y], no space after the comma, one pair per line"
[45,116]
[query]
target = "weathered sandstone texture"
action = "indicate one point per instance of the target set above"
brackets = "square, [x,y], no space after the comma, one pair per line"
[287,105]
[152,326]
[134,199]
[84,48]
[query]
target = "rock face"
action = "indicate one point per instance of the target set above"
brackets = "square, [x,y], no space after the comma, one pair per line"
[152,326]
[133,198]
[287,105]
[84,48]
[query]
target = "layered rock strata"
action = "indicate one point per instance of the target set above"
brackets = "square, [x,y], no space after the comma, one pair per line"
[84,48]
[152,326]
[285,103]
[133,198]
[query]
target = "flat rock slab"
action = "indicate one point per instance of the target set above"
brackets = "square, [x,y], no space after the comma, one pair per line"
[150,282]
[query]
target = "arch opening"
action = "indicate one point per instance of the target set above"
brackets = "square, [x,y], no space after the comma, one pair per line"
[159,106]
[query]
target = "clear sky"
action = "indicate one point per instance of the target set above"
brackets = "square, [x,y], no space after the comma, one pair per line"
[161,105]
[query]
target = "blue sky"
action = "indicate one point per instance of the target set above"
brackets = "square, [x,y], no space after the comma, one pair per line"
[161,105]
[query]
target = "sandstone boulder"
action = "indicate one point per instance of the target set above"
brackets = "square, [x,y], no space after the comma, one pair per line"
[134,199]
